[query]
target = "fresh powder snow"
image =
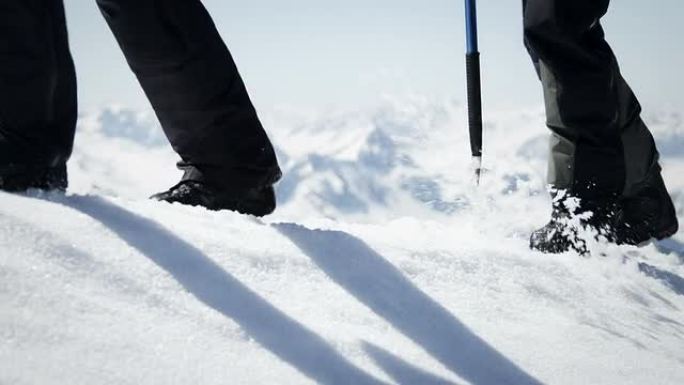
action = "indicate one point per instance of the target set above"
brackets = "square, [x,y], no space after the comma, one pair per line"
[384,264]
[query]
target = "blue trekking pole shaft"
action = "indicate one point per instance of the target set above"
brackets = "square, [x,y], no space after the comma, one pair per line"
[474,87]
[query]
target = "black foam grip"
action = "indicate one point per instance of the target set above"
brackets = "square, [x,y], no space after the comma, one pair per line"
[474,102]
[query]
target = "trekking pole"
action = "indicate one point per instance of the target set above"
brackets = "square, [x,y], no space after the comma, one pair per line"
[474,88]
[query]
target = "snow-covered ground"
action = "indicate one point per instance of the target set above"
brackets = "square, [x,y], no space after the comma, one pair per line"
[383,265]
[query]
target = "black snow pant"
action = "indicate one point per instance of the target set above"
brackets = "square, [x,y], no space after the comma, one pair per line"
[181,63]
[600,147]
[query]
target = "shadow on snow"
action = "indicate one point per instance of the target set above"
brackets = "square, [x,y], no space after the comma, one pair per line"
[349,262]
[672,280]
[209,283]
[402,372]
[367,276]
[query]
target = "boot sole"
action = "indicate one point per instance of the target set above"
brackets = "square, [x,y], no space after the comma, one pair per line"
[668,232]
[665,234]
[23,178]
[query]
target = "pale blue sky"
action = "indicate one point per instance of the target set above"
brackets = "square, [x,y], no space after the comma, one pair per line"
[331,53]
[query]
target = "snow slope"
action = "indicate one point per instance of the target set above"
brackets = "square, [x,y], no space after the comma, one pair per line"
[382,265]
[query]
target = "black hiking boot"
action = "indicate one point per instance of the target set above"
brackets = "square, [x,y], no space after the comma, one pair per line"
[557,236]
[648,215]
[19,178]
[257,201]
[570,227]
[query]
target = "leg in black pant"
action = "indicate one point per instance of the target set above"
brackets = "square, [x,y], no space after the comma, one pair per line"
[601,151]
[195,89]
[186,72]
[37,95]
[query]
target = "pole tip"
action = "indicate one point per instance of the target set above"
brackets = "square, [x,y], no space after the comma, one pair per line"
[476,167]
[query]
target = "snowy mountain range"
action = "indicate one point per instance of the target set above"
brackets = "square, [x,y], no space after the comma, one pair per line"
[382,265]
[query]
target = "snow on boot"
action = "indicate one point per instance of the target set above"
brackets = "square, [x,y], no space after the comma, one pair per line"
[649,214]
[573,223]
[557,236]
[256,201]
[18,178]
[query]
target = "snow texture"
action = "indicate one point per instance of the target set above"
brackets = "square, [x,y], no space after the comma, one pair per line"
[383,265]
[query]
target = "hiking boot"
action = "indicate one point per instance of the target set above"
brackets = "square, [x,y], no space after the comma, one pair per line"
[256,201]
[18,178]
[573,223]
[648,215]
